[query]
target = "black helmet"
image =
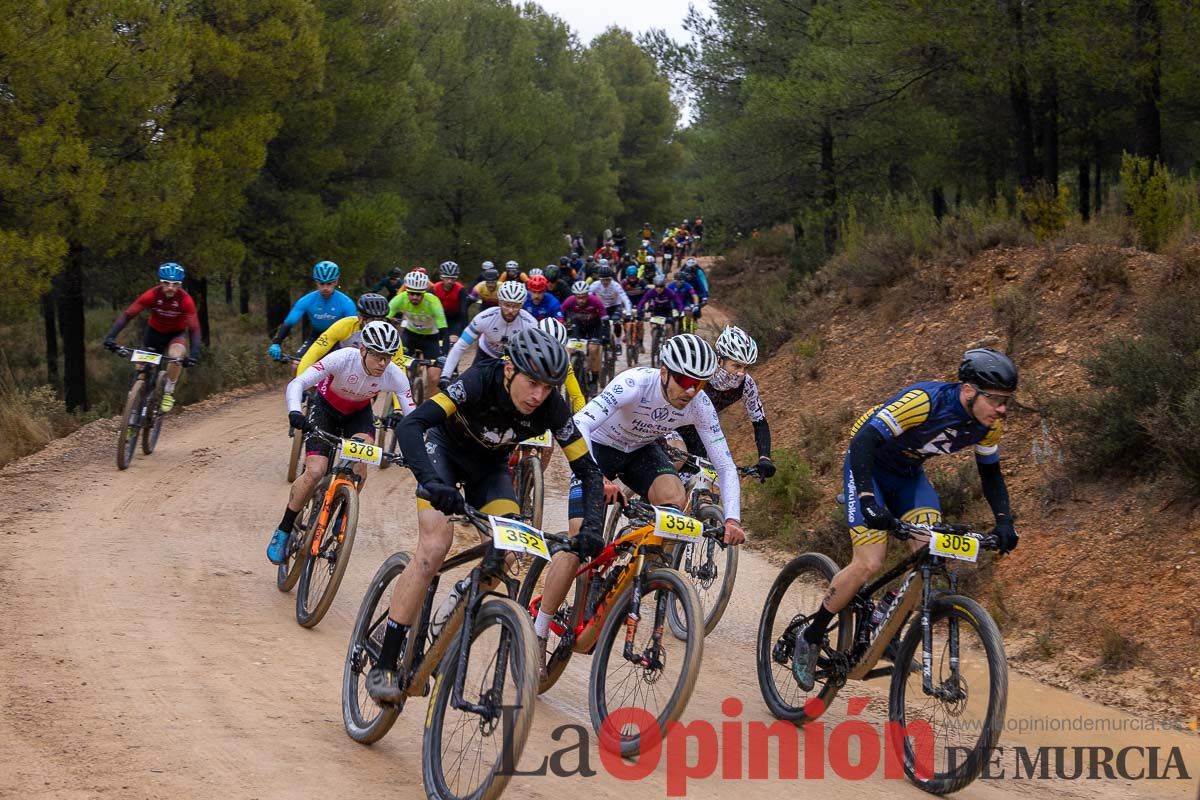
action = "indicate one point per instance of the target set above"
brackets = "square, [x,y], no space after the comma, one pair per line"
[563,261]
[988,369]
[490,275]
[605,271]
[373,305]
[551,272]
[395,272]
[538,355]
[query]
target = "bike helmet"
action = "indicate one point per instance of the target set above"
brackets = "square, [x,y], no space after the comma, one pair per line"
[485,266]
[631,271]
[688,354]
[326,272]
[395,272]
[372,305]
[735,343]
[535,272]
[380,336]
[448,269]
[537,283]
[690,263]
[416,281]
[555,328]
[602,262]
[490,275]
[579,287]
[605,270]
[563,261]
[170,271]
[679,276]
[649,259]
[511,266]
[988,369]
[551,273]
[512,292]
[660,280]
[539,355]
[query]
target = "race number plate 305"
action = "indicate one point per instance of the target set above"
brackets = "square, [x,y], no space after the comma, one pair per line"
[508,534]
[145,357]
[670,524]
[953,545]
[355,450]
[538,441]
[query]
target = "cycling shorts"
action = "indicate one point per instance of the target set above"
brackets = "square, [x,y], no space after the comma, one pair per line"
[329,419]
[910,497]
[637,470]
[429,344]
[585,330]
[486,482]
[158,342]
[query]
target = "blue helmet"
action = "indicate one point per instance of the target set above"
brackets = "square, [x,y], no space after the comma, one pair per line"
[170,271]
[631,272]
[326,272]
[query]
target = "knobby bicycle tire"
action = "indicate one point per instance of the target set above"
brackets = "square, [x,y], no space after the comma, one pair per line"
[131,418]
[151,431]
[301,540]
[343,514]
[725,560]
[369,622]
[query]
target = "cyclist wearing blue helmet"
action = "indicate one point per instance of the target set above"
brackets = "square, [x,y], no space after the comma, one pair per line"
[321,308]
[172,320]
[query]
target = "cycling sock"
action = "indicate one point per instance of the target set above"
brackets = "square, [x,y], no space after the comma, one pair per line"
[289,520]
[817,625]
[541,625]
[169,386]
[393,640]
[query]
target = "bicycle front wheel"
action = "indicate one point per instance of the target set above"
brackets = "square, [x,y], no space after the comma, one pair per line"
[655,345]
[657,675]
[712,570]
[532,490]
[151,431]
[794,597]
[558,645]
[963,735]
[131,423]
[472,753]
[322,573]
[365,720]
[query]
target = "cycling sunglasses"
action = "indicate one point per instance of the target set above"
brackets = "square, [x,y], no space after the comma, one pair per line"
[685,382]
[175,284]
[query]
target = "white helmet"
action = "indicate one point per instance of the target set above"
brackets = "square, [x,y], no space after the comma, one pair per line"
[533,273]
[486,265]
[735,343]
[381,336]
[688,354]
[512,266]
[416,281]
[579,287]
[512,292]
[649,259]
[556,329]
[602,262]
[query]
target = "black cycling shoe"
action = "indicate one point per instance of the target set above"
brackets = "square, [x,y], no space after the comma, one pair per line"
[383,685]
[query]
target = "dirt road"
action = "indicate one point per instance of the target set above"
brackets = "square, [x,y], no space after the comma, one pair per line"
[147,653]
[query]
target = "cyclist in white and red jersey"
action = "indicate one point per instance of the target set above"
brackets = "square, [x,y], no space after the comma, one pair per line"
[347,380]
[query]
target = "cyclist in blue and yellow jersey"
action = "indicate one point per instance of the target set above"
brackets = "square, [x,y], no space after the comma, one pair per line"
[347,332]
[885,477]
[422,321]
[322,307]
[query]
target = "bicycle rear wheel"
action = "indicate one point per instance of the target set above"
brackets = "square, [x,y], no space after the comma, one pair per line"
[154,424]
[322,574]
[662,673]
[472,755]
[963,629]
[365,720]
[712,570]
[131,423]
[655,345]
[794,597]
[301,540]
[296,456]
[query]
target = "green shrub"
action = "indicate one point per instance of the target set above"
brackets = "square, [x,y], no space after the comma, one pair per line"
[877,262]
[1158,201]
[1104,267]
[957,488]
[1044,210]
[773,507]
[1015,308]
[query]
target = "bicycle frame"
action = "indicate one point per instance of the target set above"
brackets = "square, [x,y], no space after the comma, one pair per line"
[343,475]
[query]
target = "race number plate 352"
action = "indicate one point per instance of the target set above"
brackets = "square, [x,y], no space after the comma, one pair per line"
[354,450]
[953,545]
[145,357]
[670,524]
[508,534]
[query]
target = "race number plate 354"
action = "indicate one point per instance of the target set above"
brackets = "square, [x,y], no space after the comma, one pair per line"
[508,534]
[670,524]
[953,545]
[145,357]
[354,450]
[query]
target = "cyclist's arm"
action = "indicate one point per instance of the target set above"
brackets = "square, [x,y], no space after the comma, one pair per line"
[394,305]
[410,433]
[908,411]
[193,323]
[601,407]
[136,307]
[676,300]
[574,393]
[439,313]
[338,331]
[704,417]
[987,459]
[468,337]
[758,416]
[575,448]
[294,316]
[397,382]
[302,383]
[624,300]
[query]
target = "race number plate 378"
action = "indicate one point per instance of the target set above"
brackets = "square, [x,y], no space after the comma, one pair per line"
[354,450]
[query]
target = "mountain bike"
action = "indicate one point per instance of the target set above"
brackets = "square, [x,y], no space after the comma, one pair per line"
[633,341]
[141,416]
[415,367]
[688,321]
[608,361]
[319,548]
[577,349]
[386,424]
[296,451]
[487,634]
[528,463]
[967,666]
[661,329]
[622,593]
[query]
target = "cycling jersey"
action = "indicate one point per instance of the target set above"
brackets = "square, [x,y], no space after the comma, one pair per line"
[509,276]
[451,299]
[659,303]
[321,313]
[425,318]
[633,412]
[549,307]
[696,277]
[345,332]
[589,312]
[611,295]
[925,420]
[388,286]
[724,388]
[687,292]
[489,297]
[491,331]
[575,396]
[634,288]
[175,315]
[477,418]
[343,382]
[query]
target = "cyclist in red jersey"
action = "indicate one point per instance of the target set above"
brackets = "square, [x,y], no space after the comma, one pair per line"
[455,299]
[172,319]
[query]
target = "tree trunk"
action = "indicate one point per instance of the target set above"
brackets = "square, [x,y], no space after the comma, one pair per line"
[1049,135]
[1099,193]
[228,290]
[1018,96]
[51,337]
[1147,122]
[244,289]
[278,304]
[990,182]
[71,327]
[198,289]
[1085,200]
[939,203]
[828,186]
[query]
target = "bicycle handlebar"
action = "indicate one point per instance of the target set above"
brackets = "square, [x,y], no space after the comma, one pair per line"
[335,441]
[675,454]
[122,350]
[908,530]
[639,510]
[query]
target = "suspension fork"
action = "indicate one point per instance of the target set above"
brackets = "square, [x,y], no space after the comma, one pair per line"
[926,631]
[631,619]
[323,517]
[489,707]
